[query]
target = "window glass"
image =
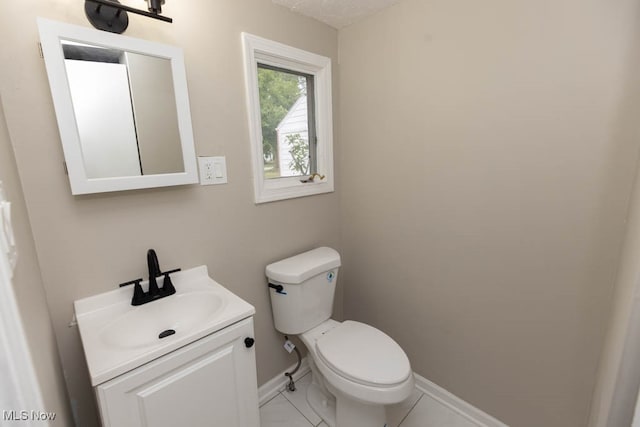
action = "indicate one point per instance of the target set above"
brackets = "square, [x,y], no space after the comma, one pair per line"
[286,112]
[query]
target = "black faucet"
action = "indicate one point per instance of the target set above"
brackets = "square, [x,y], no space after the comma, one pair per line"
[154,271]
[154,293]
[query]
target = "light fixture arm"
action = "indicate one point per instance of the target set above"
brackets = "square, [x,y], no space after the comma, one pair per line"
[134,10]
[112,17]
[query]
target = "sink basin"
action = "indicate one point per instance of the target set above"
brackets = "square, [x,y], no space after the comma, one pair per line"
[142,326]
[118,337]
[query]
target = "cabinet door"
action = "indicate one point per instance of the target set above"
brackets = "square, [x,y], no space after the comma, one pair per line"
[211,382]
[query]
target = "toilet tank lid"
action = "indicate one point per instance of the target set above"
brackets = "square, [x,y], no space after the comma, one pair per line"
[298,268]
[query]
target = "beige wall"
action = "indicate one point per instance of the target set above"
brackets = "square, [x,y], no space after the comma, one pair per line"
[89,244]
[487,161]
[30,294]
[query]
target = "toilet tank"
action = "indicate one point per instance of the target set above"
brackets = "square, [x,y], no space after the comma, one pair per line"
[308,283]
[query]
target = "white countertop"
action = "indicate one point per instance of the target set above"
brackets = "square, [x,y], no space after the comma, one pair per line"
[100,320]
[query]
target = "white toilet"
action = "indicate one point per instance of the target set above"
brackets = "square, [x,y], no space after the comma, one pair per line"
[356,368]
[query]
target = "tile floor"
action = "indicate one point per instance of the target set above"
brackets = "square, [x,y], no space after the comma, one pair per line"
[290,409]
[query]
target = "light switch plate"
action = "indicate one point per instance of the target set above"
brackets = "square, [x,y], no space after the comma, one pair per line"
[213,170]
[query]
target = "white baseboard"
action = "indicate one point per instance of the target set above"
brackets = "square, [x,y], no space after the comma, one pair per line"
[456,404]
[271,388]
[275,385]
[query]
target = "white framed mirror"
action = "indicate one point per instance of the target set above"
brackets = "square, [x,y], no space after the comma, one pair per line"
[122,108]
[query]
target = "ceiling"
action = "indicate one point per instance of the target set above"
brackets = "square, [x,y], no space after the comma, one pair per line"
[337,13]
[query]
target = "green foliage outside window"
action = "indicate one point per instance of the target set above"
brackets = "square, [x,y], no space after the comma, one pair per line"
[278,92]
[299,153]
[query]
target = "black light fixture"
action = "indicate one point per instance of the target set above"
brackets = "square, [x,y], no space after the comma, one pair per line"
[110,15]
[155,6]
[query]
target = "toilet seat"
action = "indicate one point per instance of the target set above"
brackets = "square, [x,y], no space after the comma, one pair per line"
[364,355]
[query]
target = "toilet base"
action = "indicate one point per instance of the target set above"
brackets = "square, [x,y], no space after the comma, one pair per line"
[319,398]
[353,413]
[322,404]
[337,410]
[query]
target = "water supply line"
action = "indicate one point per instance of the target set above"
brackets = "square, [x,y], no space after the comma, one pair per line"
[291,386]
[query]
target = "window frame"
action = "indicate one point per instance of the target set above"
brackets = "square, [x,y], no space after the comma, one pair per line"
[258,50]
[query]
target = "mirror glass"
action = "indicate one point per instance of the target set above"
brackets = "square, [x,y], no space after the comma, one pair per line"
[122,109]
[125,110]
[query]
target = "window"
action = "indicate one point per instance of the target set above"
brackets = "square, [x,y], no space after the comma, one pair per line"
[287,112]
[291,132]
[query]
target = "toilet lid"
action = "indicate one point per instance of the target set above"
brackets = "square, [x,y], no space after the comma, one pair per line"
[364,354]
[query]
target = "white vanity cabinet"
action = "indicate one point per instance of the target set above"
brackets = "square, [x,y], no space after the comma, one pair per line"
[186,359]
[210,382]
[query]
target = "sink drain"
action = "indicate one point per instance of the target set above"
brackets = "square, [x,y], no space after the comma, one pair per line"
[166,333]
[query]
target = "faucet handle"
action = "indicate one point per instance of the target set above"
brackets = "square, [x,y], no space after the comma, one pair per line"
[139,297]
[167,285]
[130,282]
